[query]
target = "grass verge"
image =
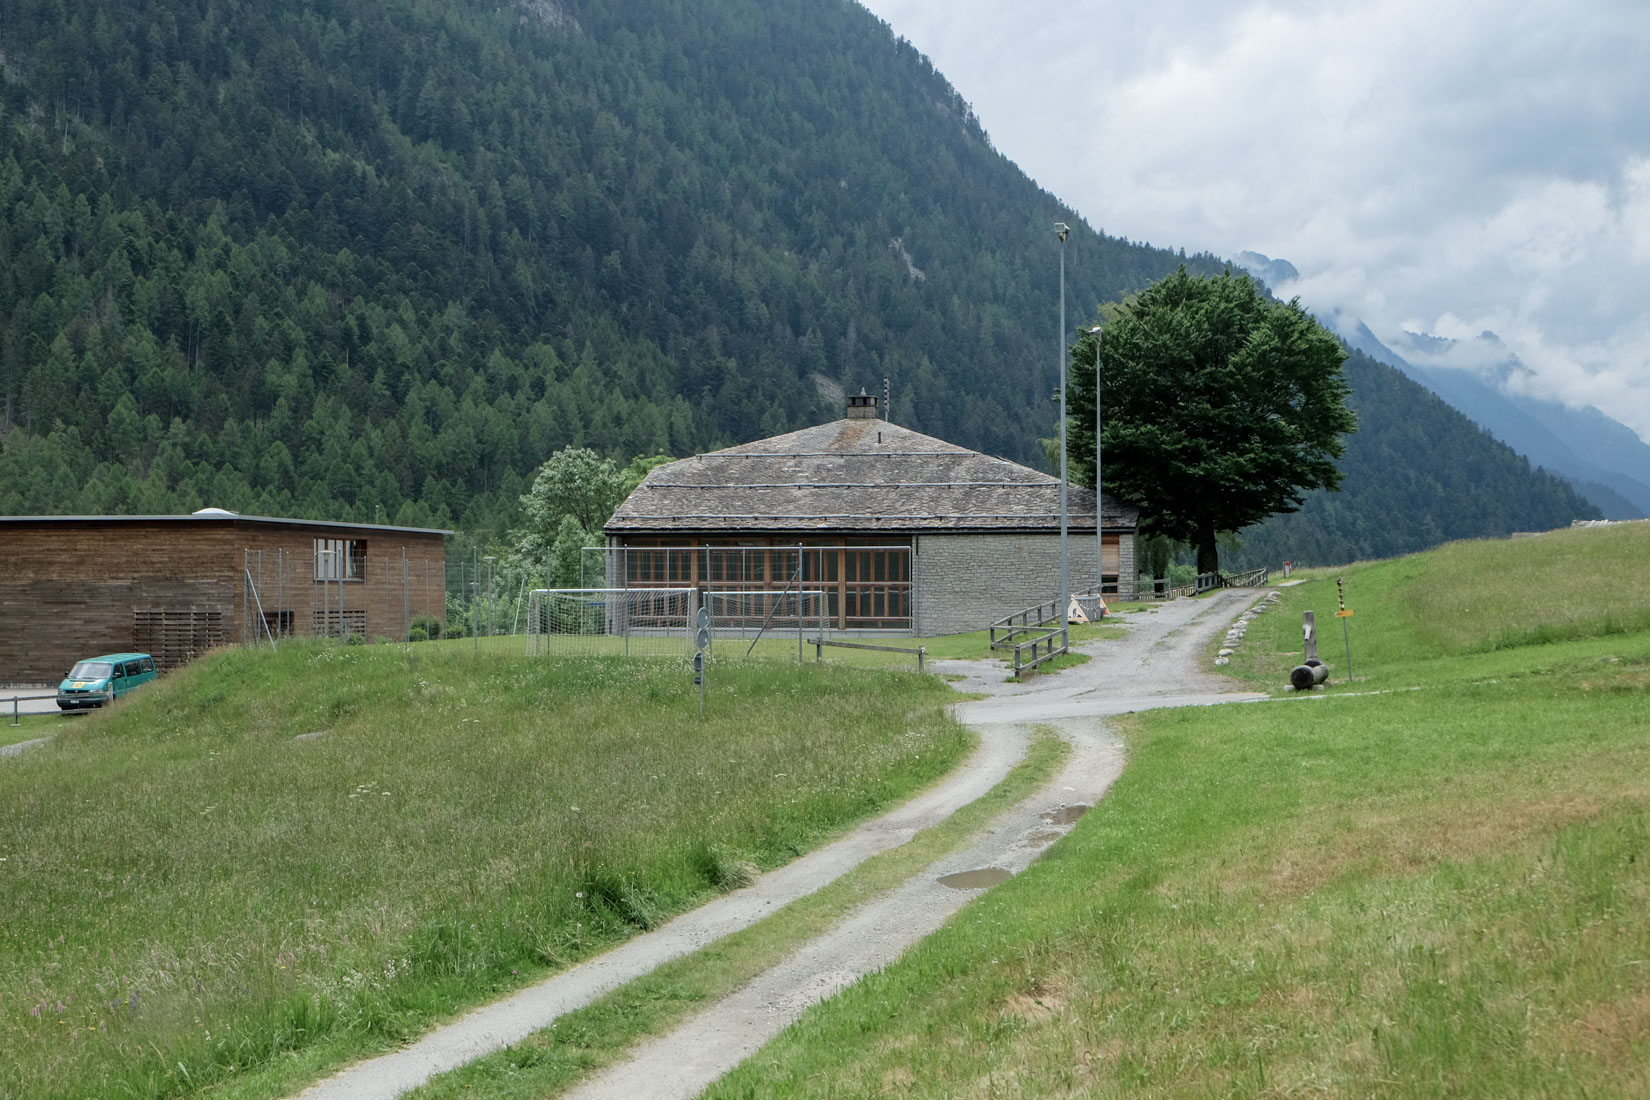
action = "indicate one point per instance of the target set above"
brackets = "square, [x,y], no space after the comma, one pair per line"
[269,864]
[31,726]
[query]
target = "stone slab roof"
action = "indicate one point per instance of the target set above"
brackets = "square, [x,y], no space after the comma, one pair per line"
[854,475]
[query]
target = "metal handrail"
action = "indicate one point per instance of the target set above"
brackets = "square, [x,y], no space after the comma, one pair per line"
[16,719]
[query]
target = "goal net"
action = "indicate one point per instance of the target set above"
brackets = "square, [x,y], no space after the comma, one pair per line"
[647,622]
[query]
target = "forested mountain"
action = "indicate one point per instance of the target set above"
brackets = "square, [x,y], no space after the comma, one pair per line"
[1418,473]
[378,259]
[363,258]
[1603,458]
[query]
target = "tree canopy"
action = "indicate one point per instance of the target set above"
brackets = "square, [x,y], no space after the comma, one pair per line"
[1220,407]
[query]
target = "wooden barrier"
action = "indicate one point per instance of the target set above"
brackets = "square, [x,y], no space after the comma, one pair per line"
[1007,628]
[1045,642]
[821,643]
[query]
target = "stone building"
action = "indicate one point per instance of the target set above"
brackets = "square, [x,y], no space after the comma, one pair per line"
[175,586]
[902,531]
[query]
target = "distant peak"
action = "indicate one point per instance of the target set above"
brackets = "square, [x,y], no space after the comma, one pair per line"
[1267,270]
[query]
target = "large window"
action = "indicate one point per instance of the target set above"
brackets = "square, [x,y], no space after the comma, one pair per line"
[866,580]
[340,559]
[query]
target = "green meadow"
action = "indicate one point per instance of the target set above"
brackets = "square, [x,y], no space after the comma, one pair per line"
[272,863]
[1434,880]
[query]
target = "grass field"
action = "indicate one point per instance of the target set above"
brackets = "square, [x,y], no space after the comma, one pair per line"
[271,863]
[581,1043]
[31,726]
[1434,881]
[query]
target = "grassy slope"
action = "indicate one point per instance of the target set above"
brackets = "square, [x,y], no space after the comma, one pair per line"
[580,1044]
[1440,890]
[30,726]
[192,890]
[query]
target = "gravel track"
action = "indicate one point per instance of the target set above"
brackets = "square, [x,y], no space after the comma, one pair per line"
[1158,664]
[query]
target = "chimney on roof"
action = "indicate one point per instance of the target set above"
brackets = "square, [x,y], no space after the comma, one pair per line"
[862,406]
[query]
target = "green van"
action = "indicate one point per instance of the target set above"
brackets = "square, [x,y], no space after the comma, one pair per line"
[99,680]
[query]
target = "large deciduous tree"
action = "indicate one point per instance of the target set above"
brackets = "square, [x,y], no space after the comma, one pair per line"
[1220,407]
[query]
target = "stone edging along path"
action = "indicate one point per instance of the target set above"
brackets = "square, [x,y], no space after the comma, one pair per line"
[1157,664]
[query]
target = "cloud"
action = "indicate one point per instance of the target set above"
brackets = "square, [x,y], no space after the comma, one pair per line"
[1482,164]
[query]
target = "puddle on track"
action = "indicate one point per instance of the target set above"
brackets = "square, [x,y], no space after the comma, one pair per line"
[1037,840]
[1065,815]
[975,880]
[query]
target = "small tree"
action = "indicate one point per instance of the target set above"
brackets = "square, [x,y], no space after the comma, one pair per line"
[1220,407]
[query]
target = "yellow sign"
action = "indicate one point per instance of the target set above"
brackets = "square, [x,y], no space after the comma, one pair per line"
[1344,613]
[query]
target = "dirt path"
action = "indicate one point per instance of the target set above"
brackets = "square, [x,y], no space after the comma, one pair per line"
[1158,664]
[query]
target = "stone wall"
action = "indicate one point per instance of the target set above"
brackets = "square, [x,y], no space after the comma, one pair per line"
[966,581]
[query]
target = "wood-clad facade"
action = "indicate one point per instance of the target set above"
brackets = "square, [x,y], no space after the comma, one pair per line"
[175,586]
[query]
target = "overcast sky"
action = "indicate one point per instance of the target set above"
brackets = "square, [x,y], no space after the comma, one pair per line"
[1443,166]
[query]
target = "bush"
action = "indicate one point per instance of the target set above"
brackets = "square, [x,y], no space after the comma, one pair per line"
[1181,574]
[425,627]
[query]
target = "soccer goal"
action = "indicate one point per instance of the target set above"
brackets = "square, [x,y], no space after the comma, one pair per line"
[646,622]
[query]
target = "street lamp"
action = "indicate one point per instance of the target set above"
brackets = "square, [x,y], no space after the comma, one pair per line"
[1099,539]
[492,625]
[323,569]
[1063,231]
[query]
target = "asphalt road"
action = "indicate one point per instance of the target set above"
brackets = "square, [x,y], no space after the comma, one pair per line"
[44,701]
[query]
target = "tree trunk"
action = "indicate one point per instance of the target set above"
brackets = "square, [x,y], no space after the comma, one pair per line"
[1208,555]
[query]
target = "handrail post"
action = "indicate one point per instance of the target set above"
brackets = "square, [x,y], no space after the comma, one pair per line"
[922,651]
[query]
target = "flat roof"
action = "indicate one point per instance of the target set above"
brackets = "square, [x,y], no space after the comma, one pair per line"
[218,515]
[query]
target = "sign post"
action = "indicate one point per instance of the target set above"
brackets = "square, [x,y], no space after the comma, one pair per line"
[1344,614]
[701,642]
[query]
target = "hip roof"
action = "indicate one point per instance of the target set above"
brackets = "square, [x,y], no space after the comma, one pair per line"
[855,475]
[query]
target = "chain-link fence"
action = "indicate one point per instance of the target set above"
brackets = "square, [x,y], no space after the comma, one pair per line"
[334,592]
[338,591]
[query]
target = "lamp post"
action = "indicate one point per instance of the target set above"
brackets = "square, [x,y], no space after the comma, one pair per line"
[492,625]
[1063,231]
[1099,538]
[322,569]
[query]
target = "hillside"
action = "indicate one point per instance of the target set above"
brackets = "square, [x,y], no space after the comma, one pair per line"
[355,260]
[1418,473]
[330,258]
[1604,459]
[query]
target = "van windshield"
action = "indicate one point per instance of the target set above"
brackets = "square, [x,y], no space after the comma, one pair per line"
[90,670]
